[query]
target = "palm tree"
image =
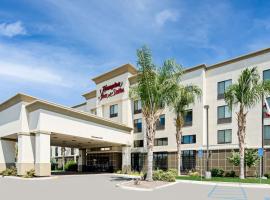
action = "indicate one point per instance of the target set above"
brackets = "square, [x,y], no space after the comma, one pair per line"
[245,94]
[184,97]
[154,88]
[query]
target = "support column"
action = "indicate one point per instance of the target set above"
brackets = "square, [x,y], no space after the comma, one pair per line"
[42,154]
[26,153]
[7,153]
[126,159]
[82,160]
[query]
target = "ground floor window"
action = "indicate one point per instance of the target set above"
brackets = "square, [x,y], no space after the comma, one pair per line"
[188,160]
[160,160]
[137,161]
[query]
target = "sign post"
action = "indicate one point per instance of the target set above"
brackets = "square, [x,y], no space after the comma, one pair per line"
[200,155]
[260,154]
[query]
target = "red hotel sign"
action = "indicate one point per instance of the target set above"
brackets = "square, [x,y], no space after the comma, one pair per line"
[108,91]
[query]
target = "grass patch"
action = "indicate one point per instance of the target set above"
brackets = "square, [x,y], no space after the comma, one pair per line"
[225,179]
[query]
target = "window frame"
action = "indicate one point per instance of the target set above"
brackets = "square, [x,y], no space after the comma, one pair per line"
[224,136]
[188,123]
[221,95]
[138,143]
[136,106]
[114,114]
[160,126]
[136,129]
[192,139]
[161,141]
[224,119]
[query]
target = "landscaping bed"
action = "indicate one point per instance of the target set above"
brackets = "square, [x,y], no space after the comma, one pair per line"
[225,179]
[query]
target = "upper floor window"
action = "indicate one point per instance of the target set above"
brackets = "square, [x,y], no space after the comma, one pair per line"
[137,125]
[188,139]
[222,86]
[266,134]
[137,107]
[224,114]
[188,118]
[113,110]
[266,74]
[161,122]
[93,111]
[224,136]
[138,143]
[161,142]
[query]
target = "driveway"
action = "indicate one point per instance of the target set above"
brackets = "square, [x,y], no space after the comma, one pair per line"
[102,187]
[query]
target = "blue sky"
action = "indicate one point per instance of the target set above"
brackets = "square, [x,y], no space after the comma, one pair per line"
[52,48]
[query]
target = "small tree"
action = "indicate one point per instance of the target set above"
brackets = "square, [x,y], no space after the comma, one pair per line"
[251,158]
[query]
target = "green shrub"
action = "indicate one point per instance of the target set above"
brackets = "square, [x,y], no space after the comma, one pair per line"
[168,176]
[174,171]
[193,173]
[71,166]
[216,172]
[230,174]
[30,174]
[160,175]
[12,171]
[267,176]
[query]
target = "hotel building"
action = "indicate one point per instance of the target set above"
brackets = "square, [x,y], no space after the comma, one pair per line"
[109,129]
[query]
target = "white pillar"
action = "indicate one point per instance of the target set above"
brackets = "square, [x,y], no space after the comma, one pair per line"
[26,153]
[7,153]
[82,160]
[42,154]
[126,159]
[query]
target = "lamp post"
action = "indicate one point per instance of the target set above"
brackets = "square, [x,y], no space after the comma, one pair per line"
[207,138]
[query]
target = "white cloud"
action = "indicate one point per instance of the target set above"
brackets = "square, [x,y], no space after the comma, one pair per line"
[165,16]
[12,29]
[31,74]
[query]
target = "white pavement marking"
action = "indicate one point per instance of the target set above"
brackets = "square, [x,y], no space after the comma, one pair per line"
[220,192]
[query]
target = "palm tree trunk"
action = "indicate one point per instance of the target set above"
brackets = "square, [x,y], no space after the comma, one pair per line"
[178,135]
[150,132]
[241,118]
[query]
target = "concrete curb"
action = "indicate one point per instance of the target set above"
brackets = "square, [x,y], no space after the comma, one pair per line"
[226,184]
[126,175]
[30,179]
[122,186]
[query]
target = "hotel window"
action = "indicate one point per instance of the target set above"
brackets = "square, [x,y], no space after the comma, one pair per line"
[113,110]
[137,125]
[56,151]
[93,111]
[188,139]
[161,142]
[137,107]
[138,143]
[188,118]
[72,151]
[161,123]
[266,74]
[224,115]
[224,136]
[222,86]
[160,160]
[266,135]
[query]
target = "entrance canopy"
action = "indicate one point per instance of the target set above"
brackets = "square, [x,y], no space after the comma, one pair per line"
[67,126]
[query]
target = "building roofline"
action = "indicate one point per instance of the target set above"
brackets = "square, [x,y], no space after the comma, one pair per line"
[20,97]
[115,72]
[239,58]
[40,104]
[79,105]
[90,95]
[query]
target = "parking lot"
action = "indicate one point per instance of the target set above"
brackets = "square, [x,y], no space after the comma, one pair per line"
[103,186]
